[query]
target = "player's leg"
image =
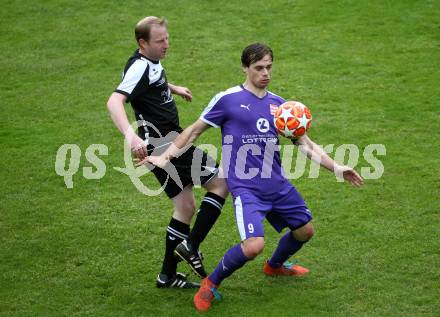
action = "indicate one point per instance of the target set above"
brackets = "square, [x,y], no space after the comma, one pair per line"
[251,228]
[290,243]
[289,211]
[305,233]
[177,230]
[208,213]
[249,215]
[234,259]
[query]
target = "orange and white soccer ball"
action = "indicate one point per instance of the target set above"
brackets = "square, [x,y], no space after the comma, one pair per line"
[292,119]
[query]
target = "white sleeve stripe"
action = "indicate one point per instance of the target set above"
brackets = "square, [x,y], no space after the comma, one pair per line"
[275,95]
[132,76]
[214,101]
[212,124]
[218,97]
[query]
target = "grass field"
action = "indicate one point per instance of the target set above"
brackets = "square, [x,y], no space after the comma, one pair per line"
[368,70]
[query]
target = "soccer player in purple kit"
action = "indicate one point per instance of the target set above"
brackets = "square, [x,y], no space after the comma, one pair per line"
[252,166]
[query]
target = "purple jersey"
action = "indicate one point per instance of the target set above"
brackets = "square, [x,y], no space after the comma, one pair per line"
[250,155]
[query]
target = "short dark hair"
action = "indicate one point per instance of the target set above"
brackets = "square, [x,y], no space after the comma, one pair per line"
[143,27]
[254,52]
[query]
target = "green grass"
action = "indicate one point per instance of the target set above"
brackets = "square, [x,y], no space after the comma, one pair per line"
[368,71]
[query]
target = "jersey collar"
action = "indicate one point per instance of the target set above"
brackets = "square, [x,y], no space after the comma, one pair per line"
[140,54]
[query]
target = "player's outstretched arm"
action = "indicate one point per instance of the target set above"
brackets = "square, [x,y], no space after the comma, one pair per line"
[115,106]
[314,152]
[183,92]
[180,144]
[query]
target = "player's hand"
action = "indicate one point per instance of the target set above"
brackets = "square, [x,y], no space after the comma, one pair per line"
[158,161]
[138,147]
[183,92]
[349,175]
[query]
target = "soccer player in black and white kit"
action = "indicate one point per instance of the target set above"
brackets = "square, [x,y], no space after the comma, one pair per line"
[145,86]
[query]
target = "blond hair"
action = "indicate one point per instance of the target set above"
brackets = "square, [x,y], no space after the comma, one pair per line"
[143,27]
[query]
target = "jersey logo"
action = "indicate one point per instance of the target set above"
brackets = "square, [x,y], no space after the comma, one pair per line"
[160,82]
[263,125]
[273,109]
[246,107]
[166,96]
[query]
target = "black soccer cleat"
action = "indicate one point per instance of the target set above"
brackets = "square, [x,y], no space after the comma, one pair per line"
[179,259]
[177,281]
[185,251]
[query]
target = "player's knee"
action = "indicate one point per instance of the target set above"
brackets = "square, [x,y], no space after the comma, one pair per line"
[252,247]
[187,207]
[222,188]
[185,203]
[190,206]
[218,186]
[304,233]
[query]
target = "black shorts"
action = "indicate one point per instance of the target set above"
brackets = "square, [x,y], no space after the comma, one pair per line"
[194,167]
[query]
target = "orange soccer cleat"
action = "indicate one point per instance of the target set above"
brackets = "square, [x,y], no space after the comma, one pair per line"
[287,269]
[205,295]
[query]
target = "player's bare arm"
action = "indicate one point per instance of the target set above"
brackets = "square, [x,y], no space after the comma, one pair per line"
[115,106]
[314,152]
[183,92]
[185,139]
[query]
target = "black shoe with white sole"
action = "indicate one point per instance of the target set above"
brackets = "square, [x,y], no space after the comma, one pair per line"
[186,252]
[177,281]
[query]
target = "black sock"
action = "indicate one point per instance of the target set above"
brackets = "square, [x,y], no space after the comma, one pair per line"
[210,209]
[177,231]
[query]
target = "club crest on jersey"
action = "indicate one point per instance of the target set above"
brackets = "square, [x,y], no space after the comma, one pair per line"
[263,125]
[273,109]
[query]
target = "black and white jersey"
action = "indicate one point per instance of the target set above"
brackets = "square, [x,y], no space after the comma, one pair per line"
[145,84]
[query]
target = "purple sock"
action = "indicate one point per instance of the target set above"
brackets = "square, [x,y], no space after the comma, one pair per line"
[233,259]
[287,246]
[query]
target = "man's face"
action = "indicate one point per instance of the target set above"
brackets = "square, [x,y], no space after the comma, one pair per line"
[156,48]
[260,72]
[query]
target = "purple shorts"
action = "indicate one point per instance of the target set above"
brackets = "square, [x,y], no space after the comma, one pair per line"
[282,209]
